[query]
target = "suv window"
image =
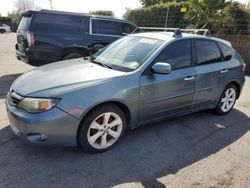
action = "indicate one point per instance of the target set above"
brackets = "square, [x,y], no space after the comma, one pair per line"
[57,23]
[177,54]
[207,52]
[127,28]
[105,27]
[24,24]
[226,50]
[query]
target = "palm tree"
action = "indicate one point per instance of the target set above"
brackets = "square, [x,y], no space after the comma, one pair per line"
[209,14]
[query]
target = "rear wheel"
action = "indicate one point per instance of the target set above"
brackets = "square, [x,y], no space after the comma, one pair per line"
[102,129]
[227,100]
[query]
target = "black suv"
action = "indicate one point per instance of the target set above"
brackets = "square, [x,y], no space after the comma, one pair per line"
[46,36]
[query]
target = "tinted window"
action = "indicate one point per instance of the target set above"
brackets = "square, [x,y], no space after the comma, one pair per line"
[105,27]
[57,23]
[207,52]
[177,54]
[24,24]
[127,28]
[226,50]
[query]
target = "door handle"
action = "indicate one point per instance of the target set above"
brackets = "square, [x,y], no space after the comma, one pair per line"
[224,71]
[189,78]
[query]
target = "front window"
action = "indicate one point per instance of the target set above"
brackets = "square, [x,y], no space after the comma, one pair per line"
[128,53]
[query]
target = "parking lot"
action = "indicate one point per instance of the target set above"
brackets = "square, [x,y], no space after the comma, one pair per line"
[197,150]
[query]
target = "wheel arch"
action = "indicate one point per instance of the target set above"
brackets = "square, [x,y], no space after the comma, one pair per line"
[75,48]
[237,85]
[119,104]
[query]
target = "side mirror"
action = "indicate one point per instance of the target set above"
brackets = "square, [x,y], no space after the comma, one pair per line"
[162,68]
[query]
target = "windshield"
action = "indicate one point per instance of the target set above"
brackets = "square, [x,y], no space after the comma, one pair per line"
[128,53]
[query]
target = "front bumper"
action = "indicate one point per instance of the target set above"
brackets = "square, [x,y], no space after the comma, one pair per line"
[54,127]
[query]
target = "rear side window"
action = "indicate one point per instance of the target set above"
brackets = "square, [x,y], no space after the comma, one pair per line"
[106,27]
[25,23]
[54,23]
[207,52]
[177,54]
[226,50]
[127,28]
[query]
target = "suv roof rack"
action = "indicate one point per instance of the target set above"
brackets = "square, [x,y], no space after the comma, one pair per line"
[177,31]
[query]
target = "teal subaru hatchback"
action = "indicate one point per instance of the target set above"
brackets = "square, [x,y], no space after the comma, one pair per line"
[138,79]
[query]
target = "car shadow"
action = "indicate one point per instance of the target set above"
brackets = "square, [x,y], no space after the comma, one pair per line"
[6,81]
[143,155]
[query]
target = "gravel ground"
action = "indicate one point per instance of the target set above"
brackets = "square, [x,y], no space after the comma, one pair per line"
[197,150]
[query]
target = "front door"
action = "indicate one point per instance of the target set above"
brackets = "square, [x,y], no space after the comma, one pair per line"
[163,95]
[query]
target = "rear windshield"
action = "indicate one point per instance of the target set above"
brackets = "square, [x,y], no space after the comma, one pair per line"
[54,23]
[24,24]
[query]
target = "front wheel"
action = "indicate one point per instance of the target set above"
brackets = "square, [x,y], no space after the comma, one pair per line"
[227,100]
[102,128]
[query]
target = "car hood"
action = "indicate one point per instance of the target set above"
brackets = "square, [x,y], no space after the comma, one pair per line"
[63,76]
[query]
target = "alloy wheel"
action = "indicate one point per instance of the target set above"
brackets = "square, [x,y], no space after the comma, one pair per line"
[228,99]
[105,130]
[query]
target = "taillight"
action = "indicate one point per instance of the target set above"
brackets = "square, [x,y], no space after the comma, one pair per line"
[30,39]
[244,66]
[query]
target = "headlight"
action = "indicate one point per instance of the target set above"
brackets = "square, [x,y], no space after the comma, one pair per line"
[35,105]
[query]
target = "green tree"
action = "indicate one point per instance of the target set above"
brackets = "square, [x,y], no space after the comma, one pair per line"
[147,3]
[239,17]
[209,14]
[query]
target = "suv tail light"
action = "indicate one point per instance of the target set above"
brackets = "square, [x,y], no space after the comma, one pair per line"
[244,66]
[30,39]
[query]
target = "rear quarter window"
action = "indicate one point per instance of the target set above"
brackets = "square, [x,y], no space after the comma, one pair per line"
[54,23]
[25,23]
[127,28]
[226,50]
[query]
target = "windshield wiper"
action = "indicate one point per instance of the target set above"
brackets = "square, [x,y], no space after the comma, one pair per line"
[102,64]
[92,59]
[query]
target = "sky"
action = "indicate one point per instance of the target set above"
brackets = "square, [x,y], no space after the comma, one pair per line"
[117,6]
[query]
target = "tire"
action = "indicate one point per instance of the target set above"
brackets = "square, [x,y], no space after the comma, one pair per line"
[96,48]
[227,100]
[72,56]
[2,31]
[96,134]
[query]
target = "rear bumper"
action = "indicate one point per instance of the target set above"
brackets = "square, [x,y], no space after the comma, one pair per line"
[37,56]
[54,127]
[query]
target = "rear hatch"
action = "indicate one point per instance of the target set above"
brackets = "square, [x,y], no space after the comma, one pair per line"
[25,37]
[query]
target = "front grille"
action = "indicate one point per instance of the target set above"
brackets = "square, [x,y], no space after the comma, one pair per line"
[14,98]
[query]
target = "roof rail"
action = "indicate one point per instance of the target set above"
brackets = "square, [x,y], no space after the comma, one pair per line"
[204,32]
[177,31]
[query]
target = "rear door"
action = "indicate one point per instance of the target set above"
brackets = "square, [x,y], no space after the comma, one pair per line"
[23,29]
[211,72]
